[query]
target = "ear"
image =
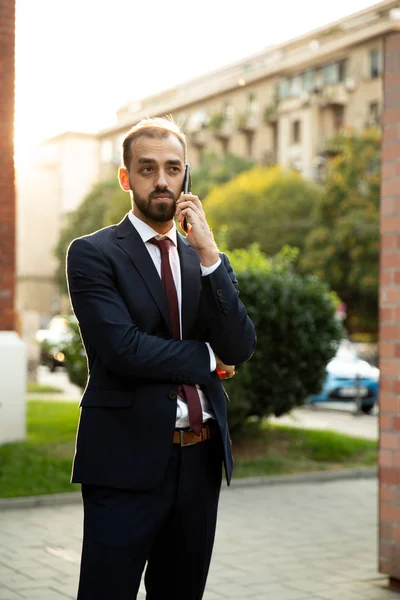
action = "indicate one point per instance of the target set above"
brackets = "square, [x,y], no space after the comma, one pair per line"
[124,179]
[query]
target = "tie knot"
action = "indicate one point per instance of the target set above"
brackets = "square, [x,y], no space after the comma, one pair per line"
[164,244]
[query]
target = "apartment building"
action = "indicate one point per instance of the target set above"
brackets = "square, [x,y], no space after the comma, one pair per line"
[64,171]
[282,104]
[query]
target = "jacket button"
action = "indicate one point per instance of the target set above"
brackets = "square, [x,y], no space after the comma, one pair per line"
[219,292]
[172,395]
[225,311]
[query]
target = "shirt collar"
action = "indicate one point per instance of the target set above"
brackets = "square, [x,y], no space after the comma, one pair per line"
[147,233]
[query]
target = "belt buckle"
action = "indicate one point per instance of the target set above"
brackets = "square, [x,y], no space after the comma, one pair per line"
[182,443]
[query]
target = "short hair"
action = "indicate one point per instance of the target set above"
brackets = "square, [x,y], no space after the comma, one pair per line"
[156,127]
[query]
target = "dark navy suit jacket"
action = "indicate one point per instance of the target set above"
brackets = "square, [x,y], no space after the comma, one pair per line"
[129,404]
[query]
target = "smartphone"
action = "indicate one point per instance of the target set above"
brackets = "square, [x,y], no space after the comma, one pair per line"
[187,184]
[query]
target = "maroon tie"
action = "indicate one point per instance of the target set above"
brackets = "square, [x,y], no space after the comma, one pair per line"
[186,391]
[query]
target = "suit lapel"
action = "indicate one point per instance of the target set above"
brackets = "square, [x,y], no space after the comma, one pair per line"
[130,241]
[191,284]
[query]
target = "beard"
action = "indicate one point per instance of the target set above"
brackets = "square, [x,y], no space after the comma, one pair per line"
[158,211]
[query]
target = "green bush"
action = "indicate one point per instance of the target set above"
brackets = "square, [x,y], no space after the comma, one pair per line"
[75,357]
[297,334]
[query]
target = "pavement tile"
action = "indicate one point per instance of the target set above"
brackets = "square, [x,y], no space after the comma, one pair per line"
[210,594]
[314,541]
[47,593]
[9,595]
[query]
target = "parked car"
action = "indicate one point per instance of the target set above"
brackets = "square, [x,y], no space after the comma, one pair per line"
[349,379]
[51,342]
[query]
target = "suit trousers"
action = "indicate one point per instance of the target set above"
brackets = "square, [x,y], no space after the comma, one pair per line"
[171,527]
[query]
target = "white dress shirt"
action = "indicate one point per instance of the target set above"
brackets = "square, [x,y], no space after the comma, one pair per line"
[147,233]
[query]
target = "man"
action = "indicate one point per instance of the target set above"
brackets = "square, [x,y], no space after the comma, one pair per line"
[158,312]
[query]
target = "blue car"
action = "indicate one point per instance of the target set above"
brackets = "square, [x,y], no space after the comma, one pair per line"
[347,378]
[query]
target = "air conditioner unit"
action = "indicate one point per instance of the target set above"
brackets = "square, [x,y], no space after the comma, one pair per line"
[304,97]
[350,84]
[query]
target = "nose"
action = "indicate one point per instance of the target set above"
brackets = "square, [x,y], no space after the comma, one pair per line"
[161,181]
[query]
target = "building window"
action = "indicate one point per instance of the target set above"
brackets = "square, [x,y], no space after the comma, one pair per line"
[342,67]
[330,74]
[309,80]
[249,143]
[338,117]
[296,85]
[374,63]
[197,121]
[373,114]
[252,105]
[284,88]
[229,111]
[296,132]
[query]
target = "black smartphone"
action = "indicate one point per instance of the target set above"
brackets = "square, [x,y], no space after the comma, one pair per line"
[187,184]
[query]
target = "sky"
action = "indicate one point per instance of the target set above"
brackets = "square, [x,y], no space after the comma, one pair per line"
[77,61]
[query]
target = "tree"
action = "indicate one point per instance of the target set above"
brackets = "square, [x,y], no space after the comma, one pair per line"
[216,170]
[297,334]
[269,206]
[93,213]
[106,203]
[343,246]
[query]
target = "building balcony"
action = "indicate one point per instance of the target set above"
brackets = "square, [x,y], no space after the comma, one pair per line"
[247,123]
[335,94]
[221,126]
[270,115]
[198,137]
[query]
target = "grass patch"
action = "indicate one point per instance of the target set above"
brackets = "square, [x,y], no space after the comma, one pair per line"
[42,464]
[279,450]
[39,388]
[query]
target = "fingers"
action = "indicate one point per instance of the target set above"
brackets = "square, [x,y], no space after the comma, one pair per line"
[189,201]
[225,371]
[191,208]
[230,372]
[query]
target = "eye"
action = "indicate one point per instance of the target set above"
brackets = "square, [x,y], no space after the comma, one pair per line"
[147,170]
[174,169]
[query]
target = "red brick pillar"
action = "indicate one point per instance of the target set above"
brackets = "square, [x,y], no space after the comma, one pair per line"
[7,189]
[389,400]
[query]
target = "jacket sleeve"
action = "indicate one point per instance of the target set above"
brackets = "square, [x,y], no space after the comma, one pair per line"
[107,326]
[231,333]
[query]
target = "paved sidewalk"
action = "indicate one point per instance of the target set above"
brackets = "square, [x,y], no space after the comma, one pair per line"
[333,417]
[314,541]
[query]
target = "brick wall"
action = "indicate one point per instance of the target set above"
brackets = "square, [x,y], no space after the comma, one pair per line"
[389,453]
[7,190]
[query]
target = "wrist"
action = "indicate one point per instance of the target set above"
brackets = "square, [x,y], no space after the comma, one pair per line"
[208,258]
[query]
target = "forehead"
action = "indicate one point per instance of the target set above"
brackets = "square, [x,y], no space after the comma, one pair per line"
[157,148]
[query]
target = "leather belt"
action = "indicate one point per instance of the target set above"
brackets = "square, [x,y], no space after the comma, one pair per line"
[186,437]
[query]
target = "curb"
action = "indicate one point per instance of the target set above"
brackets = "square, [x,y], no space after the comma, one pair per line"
[313,477]
[44,500]
[245,482]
